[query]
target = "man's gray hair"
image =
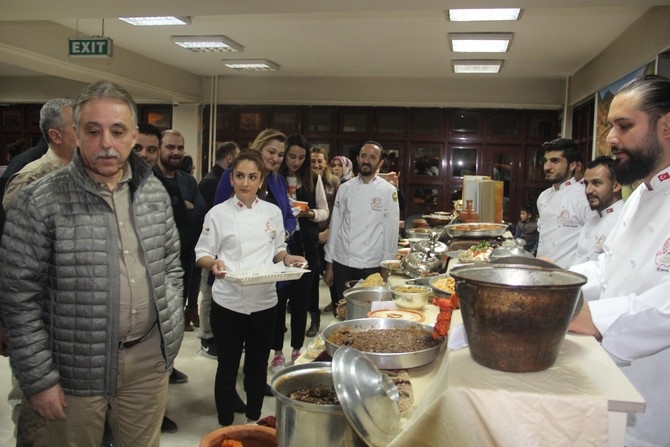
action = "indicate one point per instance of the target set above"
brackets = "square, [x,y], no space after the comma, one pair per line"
[51,115]
[104,90]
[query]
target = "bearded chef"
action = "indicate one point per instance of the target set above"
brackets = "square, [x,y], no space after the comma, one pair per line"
[630,282]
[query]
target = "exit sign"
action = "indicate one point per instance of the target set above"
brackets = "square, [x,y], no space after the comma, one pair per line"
[90,47]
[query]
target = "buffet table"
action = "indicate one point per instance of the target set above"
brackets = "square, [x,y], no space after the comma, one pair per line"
[583,399]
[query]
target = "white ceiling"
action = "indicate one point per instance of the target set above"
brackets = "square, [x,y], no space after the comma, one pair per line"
[395,38]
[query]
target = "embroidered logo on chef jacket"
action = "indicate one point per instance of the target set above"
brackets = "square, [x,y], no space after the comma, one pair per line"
[565,220]
[663,255]
[664,176]
[598,246]
[376,204]
[270,230]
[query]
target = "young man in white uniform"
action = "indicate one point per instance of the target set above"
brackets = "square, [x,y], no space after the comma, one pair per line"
[364,223]
[630,281]
[604,195]
[562,207]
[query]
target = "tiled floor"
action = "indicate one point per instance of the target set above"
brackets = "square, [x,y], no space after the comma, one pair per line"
[190,405]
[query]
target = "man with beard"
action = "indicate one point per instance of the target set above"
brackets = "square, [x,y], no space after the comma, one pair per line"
[562,207]
[364,223]
[147,146]
[629,285]
[148,143]
[189,222]
[90,274]
[604,195]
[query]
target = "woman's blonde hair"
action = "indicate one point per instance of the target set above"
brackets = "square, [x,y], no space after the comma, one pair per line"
[323,151]
[265,136]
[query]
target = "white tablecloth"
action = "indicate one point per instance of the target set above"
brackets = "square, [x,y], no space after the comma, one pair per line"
[461,403]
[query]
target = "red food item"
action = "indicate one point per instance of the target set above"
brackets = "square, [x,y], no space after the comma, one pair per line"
[441,328]
[231,443]
[268,421]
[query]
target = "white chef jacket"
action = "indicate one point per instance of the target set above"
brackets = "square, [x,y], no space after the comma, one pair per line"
[563,212]
[245,239]
[594,232]
[631,284]
[364,224]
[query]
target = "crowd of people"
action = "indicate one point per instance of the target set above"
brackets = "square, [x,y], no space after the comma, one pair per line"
[109,241]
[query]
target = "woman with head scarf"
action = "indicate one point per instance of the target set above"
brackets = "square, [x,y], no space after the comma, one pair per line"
[342,168]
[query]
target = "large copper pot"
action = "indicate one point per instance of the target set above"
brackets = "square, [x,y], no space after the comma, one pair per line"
[516,315]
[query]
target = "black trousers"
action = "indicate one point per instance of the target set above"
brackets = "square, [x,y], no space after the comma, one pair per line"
[192,275]
[234,332]
[343,273]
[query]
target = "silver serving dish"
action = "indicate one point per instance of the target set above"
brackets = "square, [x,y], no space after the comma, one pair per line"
[401,360]
[475,229]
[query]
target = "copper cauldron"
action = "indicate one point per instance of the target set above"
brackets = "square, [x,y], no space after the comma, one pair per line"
[516,315]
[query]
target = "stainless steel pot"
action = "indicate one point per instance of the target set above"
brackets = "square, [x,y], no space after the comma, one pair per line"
[516,315]
[427,258]
[359,300]
[437,248]
[510,248]
[304,424]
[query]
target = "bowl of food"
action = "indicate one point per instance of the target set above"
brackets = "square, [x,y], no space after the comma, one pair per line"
[418,233]
[241,435]
[304,206]
[402,252]
[393,266]
[388,342]
[398,314]
[443,286]
[438,220]
[411,296]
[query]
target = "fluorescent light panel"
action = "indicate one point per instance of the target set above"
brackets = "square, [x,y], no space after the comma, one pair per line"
[483,14]
[480,42]
[157,21]
[477,66]
[251,64]
[207,44]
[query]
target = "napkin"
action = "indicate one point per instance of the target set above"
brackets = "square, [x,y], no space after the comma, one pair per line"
[458,339]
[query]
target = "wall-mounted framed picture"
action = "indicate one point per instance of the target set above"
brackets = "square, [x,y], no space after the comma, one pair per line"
[603,101]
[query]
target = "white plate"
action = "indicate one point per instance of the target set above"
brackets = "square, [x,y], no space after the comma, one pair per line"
[250,277]
[393,266]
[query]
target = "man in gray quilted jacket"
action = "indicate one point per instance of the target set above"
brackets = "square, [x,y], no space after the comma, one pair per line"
[92,284]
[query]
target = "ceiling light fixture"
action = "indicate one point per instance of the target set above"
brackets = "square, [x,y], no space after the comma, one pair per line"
[207,44]
[477,66]
[156,21]
[251,64]
[483,14]
[480,42]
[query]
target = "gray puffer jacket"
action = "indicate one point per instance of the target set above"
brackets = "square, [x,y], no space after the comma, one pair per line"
[59,279]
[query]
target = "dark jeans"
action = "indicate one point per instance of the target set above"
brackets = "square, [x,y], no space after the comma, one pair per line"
[233,332]
[342,274]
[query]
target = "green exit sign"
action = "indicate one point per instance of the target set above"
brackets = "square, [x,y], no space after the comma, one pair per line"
[90,47]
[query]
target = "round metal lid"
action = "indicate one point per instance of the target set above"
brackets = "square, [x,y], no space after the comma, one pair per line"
[368,397]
